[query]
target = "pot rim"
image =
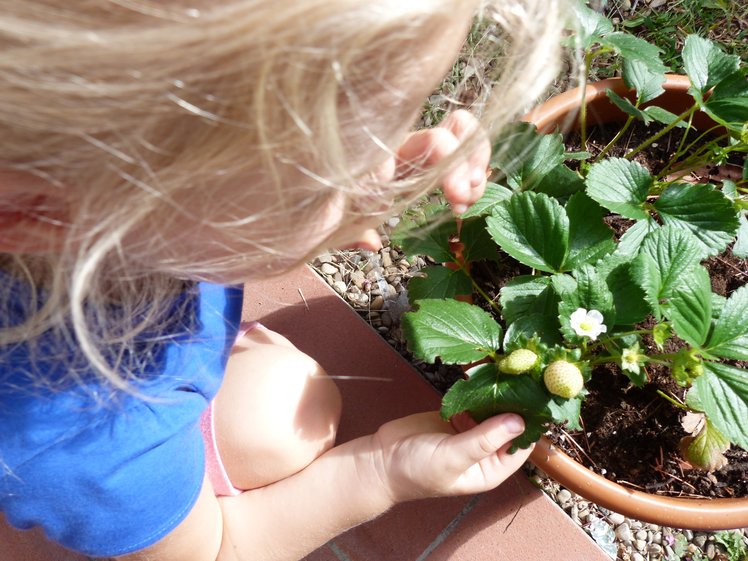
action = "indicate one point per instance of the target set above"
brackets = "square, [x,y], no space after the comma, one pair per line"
[678,512]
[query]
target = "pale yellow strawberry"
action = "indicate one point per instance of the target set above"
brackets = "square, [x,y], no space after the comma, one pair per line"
[518,362]
[563,379]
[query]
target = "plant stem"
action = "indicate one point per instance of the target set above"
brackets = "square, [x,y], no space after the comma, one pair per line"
[663,132]
[616,138]
[671,400]
[583,107]
[696,157]
[476,287]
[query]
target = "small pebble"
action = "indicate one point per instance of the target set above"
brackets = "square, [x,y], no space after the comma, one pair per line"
[641,535]
[328,268]
[655,550]
[623,533]
[699,540]
[710,550]
[563,497]
[616,519]
[339,287]
[637,557]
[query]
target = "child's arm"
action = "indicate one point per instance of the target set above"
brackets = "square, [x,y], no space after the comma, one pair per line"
[415,457]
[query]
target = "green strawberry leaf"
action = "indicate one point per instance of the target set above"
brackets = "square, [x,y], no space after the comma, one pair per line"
[705,64]
[620,186]
[722,392]
[477,242]
[632,239]
[706,449]
[566,411]
[627,107]
[429,235]
[690,307]
[664,116]
[646,82]
[439,282]
[457,332]
[629,298]
[590,238]
[740,249]
[589,26]
[701,209]
[525,295]
[728,103]
[543,326]
[526,156]
[493,195]
[560,183]
[633,48]
[488,392]
[532,228]
[665,256]
[591,293]
[729,338]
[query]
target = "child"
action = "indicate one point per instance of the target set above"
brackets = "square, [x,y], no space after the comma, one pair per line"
[153,154]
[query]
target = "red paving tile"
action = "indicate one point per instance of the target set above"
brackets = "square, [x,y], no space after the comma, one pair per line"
[515,521]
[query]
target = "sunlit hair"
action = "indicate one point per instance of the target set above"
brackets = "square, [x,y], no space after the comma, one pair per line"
[143,114]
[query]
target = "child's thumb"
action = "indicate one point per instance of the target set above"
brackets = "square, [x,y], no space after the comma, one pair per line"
[487,438]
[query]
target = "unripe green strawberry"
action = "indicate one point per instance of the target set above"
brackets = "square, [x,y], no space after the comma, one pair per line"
[518,361]
[563,379]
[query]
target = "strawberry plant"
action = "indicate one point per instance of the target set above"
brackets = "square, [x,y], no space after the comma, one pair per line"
[591,297]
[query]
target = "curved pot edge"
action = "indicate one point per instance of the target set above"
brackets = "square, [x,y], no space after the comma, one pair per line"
[687,513]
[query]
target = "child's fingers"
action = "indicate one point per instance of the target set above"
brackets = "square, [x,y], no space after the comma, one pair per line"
[482,441]
[464,125]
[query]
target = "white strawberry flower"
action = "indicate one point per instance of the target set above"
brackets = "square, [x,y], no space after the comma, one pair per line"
[630,359]
[587,324]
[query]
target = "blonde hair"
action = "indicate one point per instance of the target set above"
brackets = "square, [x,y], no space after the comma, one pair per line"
[138,112]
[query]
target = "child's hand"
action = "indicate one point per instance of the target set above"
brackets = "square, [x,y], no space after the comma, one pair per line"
[421,456]
[464,183]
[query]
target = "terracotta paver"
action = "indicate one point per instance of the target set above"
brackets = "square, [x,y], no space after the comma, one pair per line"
[516,521]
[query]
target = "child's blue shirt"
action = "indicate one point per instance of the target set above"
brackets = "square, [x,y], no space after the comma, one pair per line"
[108,475]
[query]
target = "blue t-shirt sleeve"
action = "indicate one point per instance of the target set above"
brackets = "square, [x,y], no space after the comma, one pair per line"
[110,489]
[113,479]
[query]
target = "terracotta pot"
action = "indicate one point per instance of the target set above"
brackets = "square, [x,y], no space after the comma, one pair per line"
[696,514]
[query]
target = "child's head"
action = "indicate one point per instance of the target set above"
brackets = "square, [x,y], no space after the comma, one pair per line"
[222,139]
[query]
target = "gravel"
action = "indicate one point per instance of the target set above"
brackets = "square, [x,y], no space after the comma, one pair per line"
[375,285]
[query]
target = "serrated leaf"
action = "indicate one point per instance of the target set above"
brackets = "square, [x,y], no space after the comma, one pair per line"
[589,26]
[477,242]
[690,307]
[740,249]
[457,332]
[620,186]
[627,107]
[728,103]
[526,156]
[705,64]
[632,239]
[524,295]
[431,239]
[532,228]
[566,412]
[646,82]
[492,196]
[440,282]
[487,392]
[560,183]
[591,293]
[633,48]
[590,238]
[729,338]
[666,255]
[722,392]
[664,116]
[702,210]
[629,299]
[545,327]
[706,449]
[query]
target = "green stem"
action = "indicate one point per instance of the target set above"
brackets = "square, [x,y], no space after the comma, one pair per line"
[477,288]
[678,404]
[663,132]
[696,157]
[616,138]
[583,108]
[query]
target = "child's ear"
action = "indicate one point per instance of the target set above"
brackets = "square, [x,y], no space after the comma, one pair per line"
[34,214]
